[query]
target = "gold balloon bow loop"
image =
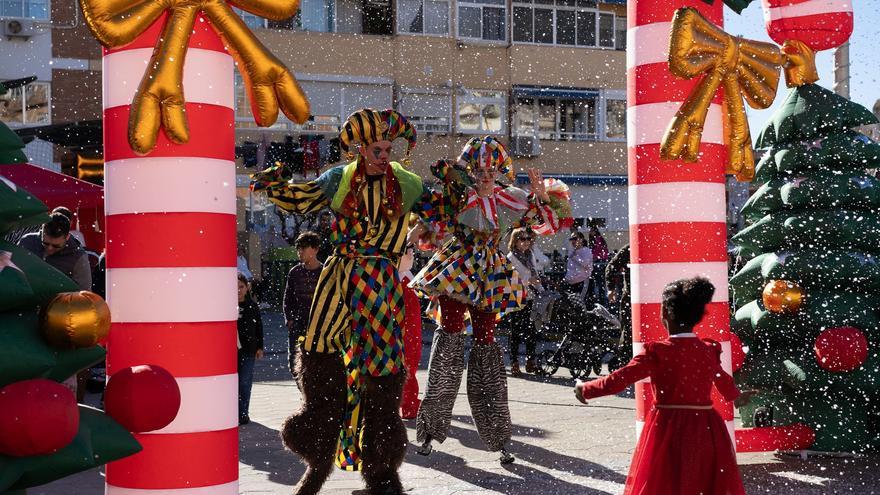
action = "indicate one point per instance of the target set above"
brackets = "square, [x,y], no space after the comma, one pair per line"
[159,100]
[744,68]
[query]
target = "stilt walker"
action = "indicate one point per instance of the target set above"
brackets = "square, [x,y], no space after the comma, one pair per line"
[470,274]
[170,203]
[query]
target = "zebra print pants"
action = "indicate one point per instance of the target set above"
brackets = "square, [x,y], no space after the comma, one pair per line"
[486,389]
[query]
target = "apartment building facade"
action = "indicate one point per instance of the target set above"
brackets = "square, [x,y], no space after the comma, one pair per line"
[546,76]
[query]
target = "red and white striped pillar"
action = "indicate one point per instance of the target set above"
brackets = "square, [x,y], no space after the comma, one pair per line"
[171,268]
[677,210]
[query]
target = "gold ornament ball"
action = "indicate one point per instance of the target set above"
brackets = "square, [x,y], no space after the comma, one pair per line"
[781,296]
[76,319]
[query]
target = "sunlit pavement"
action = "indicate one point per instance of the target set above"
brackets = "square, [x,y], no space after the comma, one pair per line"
[561,447]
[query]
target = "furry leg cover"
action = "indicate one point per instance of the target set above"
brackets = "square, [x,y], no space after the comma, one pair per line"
[444,377]
[487,394]
[384,440]
[313,431]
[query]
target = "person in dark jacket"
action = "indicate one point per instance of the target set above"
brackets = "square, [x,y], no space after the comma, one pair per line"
[617,273]
[298,291]
[54,244]
[250,346]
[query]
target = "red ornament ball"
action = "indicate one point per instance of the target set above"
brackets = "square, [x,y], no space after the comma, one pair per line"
[820,25]
[737,353]
[142,398]
[37,417]
[841,349]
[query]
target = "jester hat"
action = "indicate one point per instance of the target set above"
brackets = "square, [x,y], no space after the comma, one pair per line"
[367,126]
[486,152]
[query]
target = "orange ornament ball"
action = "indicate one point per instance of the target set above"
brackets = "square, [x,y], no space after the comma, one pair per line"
[782,296]
[76,320]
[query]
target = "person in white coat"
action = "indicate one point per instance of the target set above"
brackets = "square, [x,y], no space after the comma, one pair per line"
[529,263]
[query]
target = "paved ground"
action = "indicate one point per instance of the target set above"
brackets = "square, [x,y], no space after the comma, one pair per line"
[561,448]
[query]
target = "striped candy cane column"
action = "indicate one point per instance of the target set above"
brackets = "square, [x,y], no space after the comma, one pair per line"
[677,211]
[171,269]
[821,24]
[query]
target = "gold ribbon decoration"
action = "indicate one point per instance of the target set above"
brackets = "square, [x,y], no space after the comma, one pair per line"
[744,68]
[159,100]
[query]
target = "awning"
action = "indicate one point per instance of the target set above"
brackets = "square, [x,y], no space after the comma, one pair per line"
[84,134]
[580,180]
[554,92]
[85,199]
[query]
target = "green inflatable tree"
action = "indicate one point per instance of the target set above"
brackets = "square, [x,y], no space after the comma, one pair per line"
[44,434]
[807,298]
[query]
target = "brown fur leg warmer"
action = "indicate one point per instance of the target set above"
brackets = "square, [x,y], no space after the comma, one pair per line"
[313,431]
[384,438]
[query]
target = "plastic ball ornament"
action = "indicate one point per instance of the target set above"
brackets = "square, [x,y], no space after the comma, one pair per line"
[782,296]
[142,398]
[76,319]
[37,417]
[841,349]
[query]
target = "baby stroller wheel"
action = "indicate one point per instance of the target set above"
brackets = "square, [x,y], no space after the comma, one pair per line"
[577,372]
[546,364]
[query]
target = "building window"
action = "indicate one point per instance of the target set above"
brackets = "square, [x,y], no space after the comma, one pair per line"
[317,15]
[423,17]
[620,35]
[345,16]
[28,105]
[429,112]
[35,9]
[482,112]
[571,118]
[564,22]
[252,21]
[484,20]
[615,120]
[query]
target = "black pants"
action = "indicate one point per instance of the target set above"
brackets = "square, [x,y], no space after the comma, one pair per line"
[522,330]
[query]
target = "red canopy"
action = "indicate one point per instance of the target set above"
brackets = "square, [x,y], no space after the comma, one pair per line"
[85,199]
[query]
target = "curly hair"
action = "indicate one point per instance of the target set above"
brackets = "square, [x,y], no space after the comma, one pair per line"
[685,300]
[308,239]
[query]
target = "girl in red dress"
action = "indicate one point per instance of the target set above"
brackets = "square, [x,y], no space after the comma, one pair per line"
[685,448]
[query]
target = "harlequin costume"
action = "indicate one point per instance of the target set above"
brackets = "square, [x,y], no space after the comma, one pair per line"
[351,361]
[684,448]
[469,273]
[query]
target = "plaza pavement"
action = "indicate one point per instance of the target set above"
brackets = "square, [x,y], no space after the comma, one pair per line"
[561,447]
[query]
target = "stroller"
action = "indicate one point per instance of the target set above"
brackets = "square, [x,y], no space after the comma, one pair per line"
[591,336]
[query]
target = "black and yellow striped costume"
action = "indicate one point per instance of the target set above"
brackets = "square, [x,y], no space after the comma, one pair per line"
[357,309]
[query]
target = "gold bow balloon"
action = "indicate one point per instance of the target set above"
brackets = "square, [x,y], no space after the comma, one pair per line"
[159,100]
[744,68]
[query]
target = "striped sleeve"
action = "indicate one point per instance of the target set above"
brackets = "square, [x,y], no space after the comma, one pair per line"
[548,218]
[299,197]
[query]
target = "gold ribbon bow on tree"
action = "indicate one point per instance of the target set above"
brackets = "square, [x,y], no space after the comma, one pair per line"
[159,99]
[746,69]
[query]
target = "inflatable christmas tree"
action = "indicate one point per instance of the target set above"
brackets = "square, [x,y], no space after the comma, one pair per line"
[48,332]
[808,295]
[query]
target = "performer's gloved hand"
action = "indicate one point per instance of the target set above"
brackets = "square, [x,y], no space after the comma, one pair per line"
[268,178]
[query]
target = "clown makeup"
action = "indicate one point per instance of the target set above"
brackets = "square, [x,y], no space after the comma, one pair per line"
[484,179]
[378,156]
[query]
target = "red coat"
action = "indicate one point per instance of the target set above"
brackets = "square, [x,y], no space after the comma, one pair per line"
[681,451]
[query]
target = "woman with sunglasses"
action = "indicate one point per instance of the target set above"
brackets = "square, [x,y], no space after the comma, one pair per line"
[529,264]
[468,274]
